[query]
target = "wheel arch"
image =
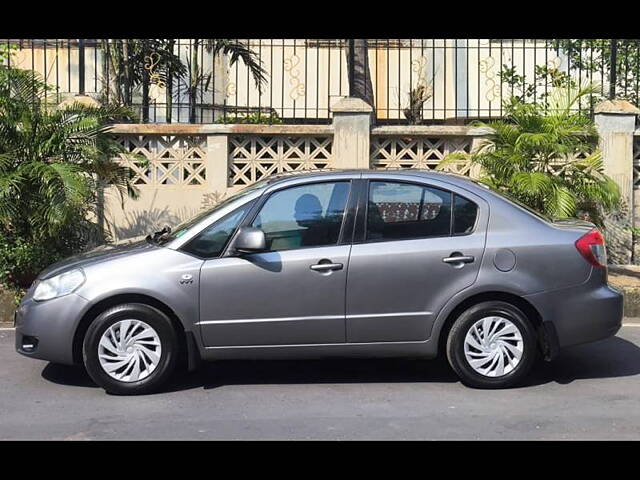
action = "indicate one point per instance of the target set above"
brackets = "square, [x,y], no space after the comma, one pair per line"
[106,303]
[527,308]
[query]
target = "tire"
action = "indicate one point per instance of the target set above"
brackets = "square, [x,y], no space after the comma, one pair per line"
[495,351]
[149,331]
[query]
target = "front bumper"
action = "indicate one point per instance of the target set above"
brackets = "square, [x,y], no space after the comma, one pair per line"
[580,314]
[52,324]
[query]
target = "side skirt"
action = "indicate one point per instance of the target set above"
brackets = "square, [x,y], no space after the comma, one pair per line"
[427,349]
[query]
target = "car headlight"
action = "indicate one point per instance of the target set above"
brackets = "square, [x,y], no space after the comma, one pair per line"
[60,285]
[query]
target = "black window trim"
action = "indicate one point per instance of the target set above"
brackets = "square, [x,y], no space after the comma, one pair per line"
[363,211]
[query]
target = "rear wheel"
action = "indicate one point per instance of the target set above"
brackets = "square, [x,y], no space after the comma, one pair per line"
[130,349]
[492,345]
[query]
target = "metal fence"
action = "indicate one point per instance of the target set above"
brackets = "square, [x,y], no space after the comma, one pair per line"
[411,80]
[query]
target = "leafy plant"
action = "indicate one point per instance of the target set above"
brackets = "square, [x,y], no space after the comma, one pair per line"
[252,118]
[53,162]
[546,80]
[546,158]
[197,81]
[592,56]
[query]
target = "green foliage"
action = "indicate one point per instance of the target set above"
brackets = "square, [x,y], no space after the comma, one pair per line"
[53,161]
[6,51]
[252,118]
[546,80]
[130,62]
[592,56]
[534,154]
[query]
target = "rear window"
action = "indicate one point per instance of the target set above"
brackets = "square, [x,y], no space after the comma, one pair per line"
[465,213]
[398,211]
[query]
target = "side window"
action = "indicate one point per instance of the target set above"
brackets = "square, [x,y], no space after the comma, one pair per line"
[304,216]
[211,241]
[464,215]
[399,211]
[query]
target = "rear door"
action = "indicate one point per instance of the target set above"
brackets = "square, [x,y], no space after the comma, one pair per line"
[417,244]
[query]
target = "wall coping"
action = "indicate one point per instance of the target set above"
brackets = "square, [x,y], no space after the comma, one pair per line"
[229,129]
[218,129]
[432,130]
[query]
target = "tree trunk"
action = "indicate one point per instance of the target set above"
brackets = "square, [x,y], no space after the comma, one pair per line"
[193,80]
[359,74]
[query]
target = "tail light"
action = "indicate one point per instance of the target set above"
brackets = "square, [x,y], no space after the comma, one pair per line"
[591,246]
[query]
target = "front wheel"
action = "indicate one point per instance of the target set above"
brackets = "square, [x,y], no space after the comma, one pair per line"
[130,349]
[492,345]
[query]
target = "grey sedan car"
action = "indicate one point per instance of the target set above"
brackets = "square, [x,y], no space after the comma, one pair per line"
[344,263]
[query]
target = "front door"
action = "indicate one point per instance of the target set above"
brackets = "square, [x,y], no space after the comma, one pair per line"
[292,294]
[403,266]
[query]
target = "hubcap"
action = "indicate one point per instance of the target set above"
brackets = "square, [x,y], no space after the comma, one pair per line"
[493,346]
[129,350]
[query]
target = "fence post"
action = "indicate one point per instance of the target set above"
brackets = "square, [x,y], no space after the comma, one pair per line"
[616,123]
[217,163]
[351,132]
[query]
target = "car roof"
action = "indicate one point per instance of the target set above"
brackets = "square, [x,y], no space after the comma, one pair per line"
[453,178]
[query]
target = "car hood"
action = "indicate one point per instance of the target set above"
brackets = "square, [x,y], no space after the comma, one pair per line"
[97,255]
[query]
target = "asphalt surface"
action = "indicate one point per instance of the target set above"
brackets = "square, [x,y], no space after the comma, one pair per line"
[590,392]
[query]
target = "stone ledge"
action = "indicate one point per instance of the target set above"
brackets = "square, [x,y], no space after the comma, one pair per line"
[431,130]
[626,278]
[621,107]
[7,308]
[219,129]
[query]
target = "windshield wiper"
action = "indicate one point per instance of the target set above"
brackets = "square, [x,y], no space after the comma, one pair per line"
[157,236]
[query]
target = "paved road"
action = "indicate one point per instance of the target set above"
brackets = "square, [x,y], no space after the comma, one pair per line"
[591,392]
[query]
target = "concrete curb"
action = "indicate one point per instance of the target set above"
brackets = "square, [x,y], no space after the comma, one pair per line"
[626,278]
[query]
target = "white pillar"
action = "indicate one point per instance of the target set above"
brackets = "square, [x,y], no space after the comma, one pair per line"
[351,132]
[616,123]
[217,163]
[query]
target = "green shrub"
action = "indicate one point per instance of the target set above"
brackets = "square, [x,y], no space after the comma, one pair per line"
[546,156]
[53,162]
[252,118]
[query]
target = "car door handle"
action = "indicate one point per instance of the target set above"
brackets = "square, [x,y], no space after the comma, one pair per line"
[459,259]
[323,267]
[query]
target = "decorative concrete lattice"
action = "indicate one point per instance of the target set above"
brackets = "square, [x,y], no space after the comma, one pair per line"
[165,160]
[636,162]
[254,157]
[418,152]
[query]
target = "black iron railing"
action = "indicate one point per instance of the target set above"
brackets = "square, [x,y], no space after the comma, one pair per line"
[410,81]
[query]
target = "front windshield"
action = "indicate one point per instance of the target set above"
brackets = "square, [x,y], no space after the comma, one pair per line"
[181,229]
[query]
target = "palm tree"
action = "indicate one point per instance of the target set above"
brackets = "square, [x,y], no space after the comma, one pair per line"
[199,82]
[359,73]
[126,61]
[546,156]
[52,161]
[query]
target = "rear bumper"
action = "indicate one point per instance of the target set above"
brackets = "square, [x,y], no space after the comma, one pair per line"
[50,325]
[580,314]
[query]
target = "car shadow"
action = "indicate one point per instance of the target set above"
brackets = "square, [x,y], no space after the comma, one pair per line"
[610,358]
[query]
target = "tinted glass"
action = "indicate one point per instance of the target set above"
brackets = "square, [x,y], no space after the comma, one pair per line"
[211,241]
[464,215]
[305,216]
[401,210]
[185,226]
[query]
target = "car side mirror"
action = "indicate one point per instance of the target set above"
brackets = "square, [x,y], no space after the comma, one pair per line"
[250,240]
